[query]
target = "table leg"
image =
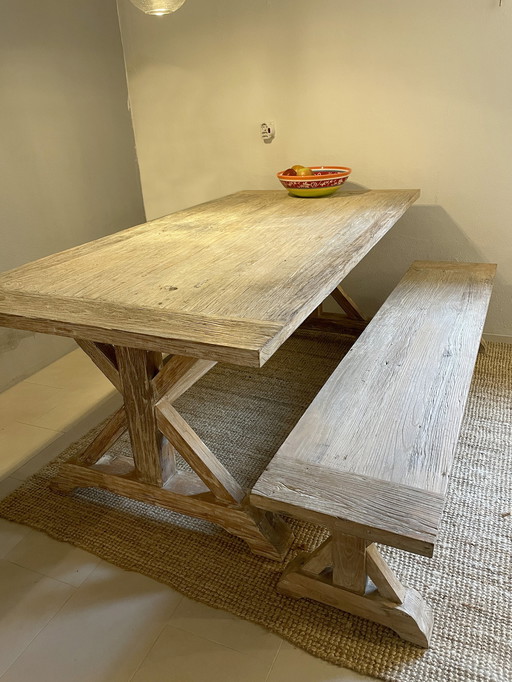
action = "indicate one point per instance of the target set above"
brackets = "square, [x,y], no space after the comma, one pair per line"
[137,369]
[157,431]
[350,308]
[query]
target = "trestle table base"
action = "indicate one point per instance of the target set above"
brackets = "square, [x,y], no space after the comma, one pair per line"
[150,385]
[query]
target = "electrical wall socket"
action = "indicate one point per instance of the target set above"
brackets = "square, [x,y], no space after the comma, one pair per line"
[268,132]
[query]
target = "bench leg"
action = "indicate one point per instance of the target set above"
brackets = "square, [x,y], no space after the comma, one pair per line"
[345,573]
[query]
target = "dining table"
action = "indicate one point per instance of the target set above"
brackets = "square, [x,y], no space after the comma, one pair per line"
[156,306]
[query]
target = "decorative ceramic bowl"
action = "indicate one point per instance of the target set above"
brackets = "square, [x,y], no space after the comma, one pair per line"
[325,180]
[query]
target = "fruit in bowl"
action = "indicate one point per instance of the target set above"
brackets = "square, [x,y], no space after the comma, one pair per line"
[297,170]
[313,181]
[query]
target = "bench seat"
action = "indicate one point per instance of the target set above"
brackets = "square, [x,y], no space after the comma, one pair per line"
[371,456]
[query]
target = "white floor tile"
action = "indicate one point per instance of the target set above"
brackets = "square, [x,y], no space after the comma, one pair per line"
[10,535]
[20,442]
[100,412]
[103,632]
[295,665]
[226,629]
[180,656]
[38,552]
[27,603]
[25,402]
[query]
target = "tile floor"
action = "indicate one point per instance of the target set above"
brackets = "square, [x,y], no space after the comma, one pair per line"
[67,616]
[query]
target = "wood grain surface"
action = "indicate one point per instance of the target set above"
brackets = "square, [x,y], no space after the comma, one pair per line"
[349,562]
[197,454]
[383,576]
[411,619]
[378,440]
[265,534]
[228,280]
[137,369]
[377,511]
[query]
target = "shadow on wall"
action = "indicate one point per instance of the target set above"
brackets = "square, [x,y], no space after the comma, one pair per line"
[423,233]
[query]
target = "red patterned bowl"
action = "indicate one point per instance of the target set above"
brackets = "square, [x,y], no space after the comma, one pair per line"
[325,180]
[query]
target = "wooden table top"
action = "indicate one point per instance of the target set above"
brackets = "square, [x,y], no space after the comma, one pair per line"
[228,280]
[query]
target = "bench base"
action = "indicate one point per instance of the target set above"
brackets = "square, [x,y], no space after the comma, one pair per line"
[411,619]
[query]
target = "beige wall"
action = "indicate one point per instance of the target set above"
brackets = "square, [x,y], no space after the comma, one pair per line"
[68,170]
[409,94]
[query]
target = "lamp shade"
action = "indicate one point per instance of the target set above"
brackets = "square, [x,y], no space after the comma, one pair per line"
[158,7]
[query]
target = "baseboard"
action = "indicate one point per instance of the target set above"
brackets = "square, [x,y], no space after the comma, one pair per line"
[498,338]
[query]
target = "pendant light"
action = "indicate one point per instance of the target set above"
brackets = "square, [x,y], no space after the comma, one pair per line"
[158,7]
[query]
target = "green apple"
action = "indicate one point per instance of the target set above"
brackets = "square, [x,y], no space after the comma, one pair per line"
[304,170]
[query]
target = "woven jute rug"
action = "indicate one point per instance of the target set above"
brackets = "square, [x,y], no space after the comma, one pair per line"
[244,415]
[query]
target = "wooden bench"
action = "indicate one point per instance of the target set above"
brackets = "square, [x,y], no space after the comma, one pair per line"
[371,456]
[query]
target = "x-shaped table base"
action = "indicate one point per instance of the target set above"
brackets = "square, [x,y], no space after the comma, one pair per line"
[150,385]
[157,431]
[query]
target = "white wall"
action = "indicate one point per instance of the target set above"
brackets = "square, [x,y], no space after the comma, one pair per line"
[409,94]
[68,170]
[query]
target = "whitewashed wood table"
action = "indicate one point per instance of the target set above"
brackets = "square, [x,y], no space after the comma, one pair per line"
[225,281]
